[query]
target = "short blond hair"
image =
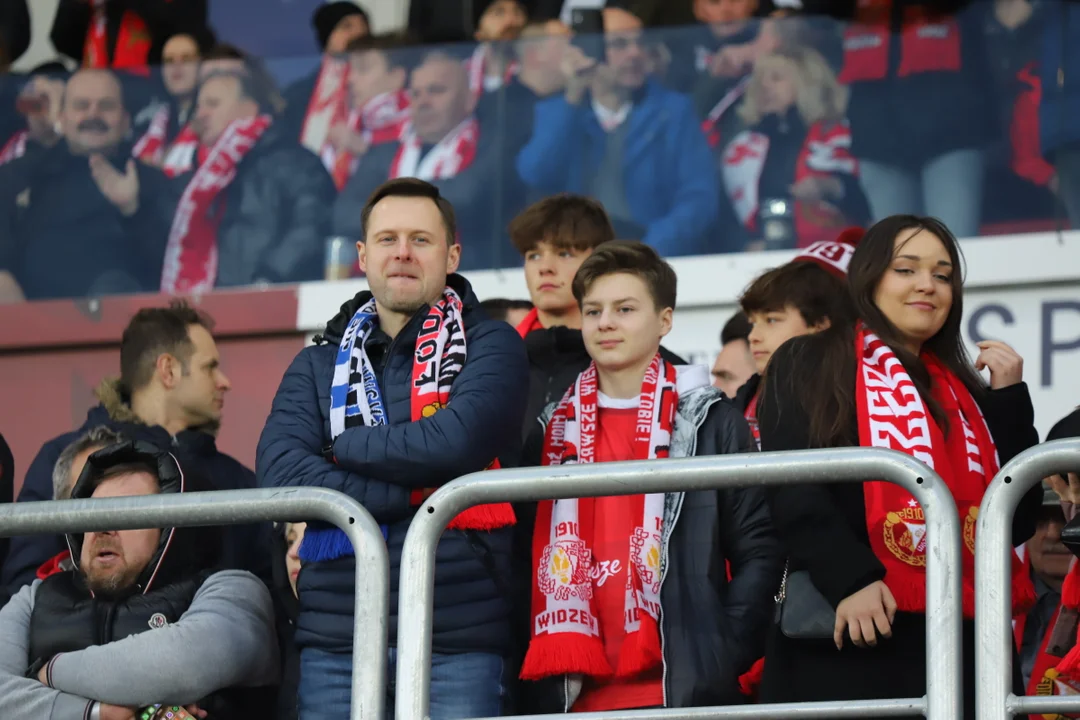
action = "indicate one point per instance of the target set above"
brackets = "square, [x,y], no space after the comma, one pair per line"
[818,95]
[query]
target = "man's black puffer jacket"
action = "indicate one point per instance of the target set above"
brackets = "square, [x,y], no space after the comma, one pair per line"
[481,421]
[275,215]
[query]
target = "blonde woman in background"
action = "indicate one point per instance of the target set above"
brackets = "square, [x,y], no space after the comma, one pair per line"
[792,160]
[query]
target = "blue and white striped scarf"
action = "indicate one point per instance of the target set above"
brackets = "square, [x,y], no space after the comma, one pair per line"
[355,400]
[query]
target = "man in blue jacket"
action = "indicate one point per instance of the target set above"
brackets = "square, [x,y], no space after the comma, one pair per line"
[170,393]
[410,387]
[1059,133]
[629,143]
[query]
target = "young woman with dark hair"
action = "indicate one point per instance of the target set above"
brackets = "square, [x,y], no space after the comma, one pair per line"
[899,378]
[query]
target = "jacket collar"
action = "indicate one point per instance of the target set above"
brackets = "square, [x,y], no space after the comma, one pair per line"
[115,407]
[556,344]
[645,103]
[696,396]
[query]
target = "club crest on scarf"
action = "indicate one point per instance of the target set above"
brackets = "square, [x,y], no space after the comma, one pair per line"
[645,551]
[566,628]
[892,415]
[565,570]
[905,534]
[1054,683]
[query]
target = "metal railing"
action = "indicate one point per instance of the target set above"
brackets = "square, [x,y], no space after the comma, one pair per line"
[943,700]
[994,699]
[229,507]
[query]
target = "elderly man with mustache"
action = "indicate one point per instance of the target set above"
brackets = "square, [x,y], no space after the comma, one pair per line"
[84,216]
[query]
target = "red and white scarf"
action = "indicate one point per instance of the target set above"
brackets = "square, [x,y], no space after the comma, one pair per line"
[565,628]
[826,152]
[892,415]
[751,418]
[154,148]
[450,156]
[133,41]
[380,121]
[711,125]
[441,351]
[14,148]
[328,105]
[477,68]
[191,255]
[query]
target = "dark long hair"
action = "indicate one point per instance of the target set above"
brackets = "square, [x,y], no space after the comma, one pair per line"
[831,404]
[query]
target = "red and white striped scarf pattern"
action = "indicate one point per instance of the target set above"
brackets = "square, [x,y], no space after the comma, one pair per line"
[328,106]
[14,148]
[191,256]
[380,121]
[892,415]
[565,628]
[153,148]
[477,68]
[450,156]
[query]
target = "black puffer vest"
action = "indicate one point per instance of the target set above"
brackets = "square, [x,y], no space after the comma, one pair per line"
[67,618]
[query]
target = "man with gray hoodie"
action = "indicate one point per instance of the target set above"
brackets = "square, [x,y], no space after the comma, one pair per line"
[143,625]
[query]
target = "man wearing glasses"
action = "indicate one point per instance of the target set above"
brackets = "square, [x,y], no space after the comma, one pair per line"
[618,136]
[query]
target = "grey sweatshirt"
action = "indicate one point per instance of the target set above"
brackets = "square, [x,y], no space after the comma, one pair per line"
[225,639]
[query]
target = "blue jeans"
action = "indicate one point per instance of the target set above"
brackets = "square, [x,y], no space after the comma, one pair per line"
[949,187]
[469,685]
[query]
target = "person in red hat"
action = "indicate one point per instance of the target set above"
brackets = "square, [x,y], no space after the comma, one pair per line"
[804,296]
[898,378]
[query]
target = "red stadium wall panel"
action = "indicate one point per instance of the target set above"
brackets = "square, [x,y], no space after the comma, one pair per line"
[53,354]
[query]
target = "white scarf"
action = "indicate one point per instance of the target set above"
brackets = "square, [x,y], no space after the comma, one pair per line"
[450,156]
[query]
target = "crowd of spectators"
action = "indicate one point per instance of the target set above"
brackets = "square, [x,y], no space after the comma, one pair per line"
[415,382]
[157,157]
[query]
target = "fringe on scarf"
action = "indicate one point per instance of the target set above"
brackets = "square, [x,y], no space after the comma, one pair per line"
[324,544]
[584,657]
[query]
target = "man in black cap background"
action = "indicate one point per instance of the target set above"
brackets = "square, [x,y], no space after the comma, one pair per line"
[318,102]
[496,23]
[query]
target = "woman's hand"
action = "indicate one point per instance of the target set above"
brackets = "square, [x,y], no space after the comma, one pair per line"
[860,614]
[1005,364]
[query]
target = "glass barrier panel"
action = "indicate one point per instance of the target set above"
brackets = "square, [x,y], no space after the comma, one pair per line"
[766,134]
